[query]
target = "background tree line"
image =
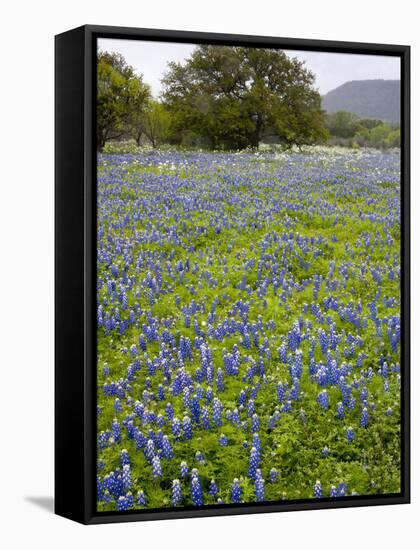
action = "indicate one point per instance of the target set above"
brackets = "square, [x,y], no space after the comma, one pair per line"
[220,98]
[350,130]
[224,98]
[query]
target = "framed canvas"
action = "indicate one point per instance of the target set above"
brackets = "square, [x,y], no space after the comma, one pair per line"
[232,274]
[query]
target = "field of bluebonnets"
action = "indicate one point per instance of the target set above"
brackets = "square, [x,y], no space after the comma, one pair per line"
[248,327]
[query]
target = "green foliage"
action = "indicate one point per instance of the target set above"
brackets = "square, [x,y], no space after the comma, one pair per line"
[156,123]
[121,99]
[379,136]
[365,132]
[233,97]
[342,124]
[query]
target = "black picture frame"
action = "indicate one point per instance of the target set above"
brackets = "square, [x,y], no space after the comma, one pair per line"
[75,272]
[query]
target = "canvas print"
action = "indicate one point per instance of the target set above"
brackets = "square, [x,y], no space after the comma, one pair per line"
[248,275]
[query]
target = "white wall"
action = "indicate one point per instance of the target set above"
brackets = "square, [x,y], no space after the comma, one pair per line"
[26,271]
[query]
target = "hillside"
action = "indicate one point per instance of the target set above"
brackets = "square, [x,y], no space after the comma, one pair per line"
[366,98]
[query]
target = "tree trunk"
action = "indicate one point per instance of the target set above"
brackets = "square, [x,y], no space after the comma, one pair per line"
[101,140]
[100,144]
[256,136]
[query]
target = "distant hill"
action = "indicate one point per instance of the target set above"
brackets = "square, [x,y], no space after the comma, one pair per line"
[366,98]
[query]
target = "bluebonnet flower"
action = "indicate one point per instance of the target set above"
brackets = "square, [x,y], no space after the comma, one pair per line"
[139,409]
[255,423]
[195,408]
[298,366]
[325,452]
[176,492]
[236,491]
[223,440]
[323,399]
[242,398]
[280,392]
[220,380]
[273,419]
[199,457]
[142,342]
[256,442]
[126,477]
[259,489]
[246,341]
[323,341]
[156,467]
[149,450]
[183,469]
[351,403]
[161,392]
[196,489]
[350,434]
[103,438]
[114,484]
[234,417]
[333,491]
[294,392]
[217,412]
[213,489]
[139,438]
[205,418]
[318,489]
[176,427]
[282,350]
[274,475]
[141,498]
[294,337]
[158,438]
[364,419]
[209,394]
[167,451]
[340,410]
[187,428]
[342,489]
[125,502]
[254,460]
[395,339]
[116,431]
[186,397]
[124,457]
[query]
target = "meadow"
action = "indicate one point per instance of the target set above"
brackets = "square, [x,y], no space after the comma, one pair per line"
[248,327]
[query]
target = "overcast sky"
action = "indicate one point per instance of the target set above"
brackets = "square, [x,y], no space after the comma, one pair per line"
[331,69]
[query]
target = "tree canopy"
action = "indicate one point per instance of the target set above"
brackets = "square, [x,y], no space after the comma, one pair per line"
[122,98]
[233,97]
